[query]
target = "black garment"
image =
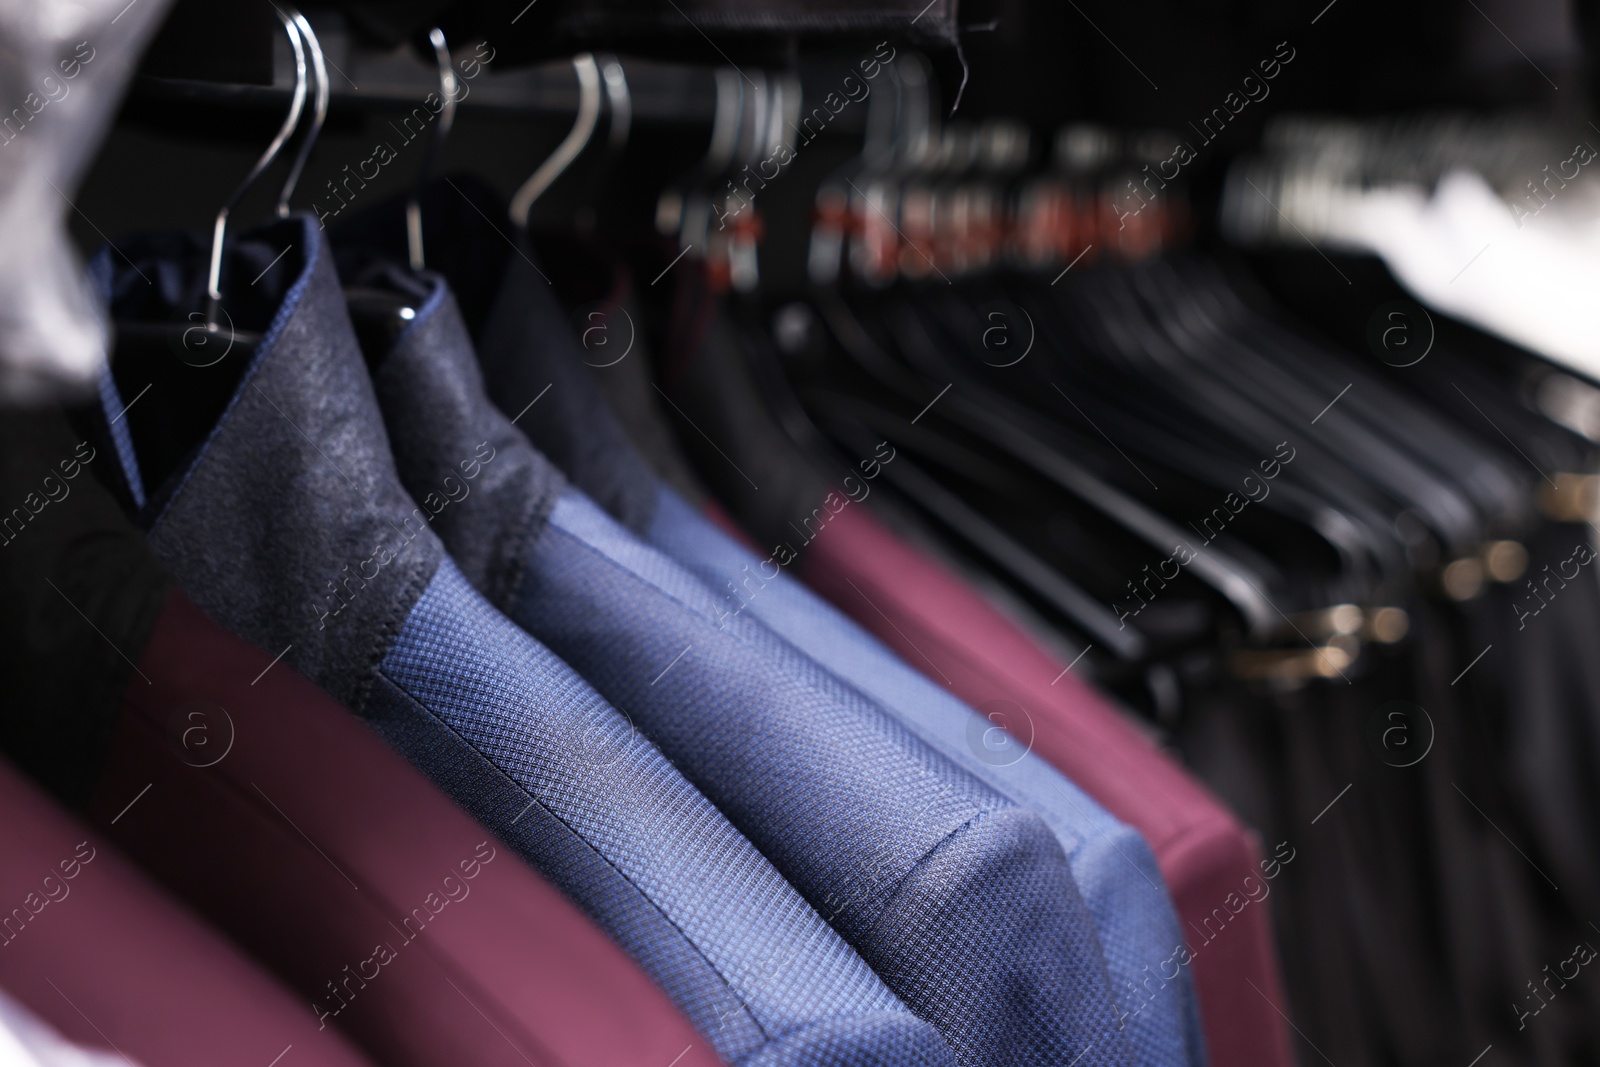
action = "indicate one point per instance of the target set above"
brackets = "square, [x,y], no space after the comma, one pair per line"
[533,372]
[1416,911]
[627,379]
[81,595]
[1537,697]
[1520,681]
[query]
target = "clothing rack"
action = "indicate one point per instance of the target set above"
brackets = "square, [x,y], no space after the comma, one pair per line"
[755,533]
[370,78]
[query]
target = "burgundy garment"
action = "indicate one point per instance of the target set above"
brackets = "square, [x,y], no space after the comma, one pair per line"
[103,956]
[943,628]
[394,915]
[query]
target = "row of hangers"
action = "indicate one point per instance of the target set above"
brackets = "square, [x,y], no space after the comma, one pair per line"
[212,326]
[1171,354]
[1180,359]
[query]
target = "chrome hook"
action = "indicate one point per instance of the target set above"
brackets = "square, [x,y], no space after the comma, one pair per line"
[449,93]
[319,110]
[621,100]
[577,138]
[219,230]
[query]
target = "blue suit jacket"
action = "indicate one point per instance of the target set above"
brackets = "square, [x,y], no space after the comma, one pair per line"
[1113,866]
[962,901]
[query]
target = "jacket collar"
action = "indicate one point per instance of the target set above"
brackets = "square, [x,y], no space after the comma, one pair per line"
[290,524]
[458,455]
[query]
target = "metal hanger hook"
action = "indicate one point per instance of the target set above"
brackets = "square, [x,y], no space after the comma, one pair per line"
[319,110]
[621,99]
[220,229]
[449,95]
[589,95]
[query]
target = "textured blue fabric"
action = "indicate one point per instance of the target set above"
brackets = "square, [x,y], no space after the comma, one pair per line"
[290,526]
[961,901]
[1113,866]
[525,744]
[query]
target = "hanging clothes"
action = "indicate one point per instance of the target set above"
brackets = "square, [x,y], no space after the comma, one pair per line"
[901,853]
[350,573]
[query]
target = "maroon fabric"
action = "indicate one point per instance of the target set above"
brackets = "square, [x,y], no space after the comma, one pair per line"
[943,628]
[102,955]
[394,915]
